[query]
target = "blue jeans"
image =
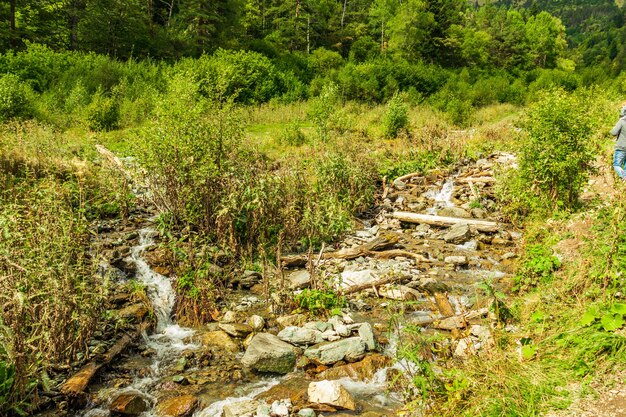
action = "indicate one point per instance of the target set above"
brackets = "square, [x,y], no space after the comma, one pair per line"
[619,158]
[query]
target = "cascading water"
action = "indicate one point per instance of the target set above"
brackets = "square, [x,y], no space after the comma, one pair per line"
[443,198]
[168,341]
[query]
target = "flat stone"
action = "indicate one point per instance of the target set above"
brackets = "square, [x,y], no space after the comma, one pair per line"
[267,353]
[299,279]
[236,329]
[399,293]
[300,335]
[240,409]
[229,317]
[456,260]
[464,348]
[256,322]
[327,353]
[359,371]
[293,387]
[290,320]
[318,325]
[331,393]
[307,412]
[498,241]
[182,406]
[458,234]
[354,278]
[220,339]
[454,212]
[129,404]
[281,408]
[451,323]
[136,312]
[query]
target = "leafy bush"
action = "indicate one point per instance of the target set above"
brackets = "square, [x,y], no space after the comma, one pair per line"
[103,113]
[556,153]
[538,265]
[322,109]
[292,135]
[319,301]
[14,97]
[396,118]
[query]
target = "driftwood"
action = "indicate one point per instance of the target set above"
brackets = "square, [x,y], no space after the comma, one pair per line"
[406,177]
[77,384]
[480,225]
[484,180]
[367,249]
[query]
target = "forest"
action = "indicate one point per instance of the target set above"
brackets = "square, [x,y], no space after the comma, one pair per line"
[295,207]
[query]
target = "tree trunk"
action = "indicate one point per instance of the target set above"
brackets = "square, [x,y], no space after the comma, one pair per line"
[441,221]
[343,13]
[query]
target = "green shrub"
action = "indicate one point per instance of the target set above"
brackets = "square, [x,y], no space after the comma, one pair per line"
[292,135]
[556,154]
[319,301]
[396,118]
[103,113]
[323,108]
[15,97]
[538,266]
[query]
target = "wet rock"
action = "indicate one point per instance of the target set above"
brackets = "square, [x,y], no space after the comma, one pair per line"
[456,260]
[182,406]
[354,278]
[136,312]
[263,410]
[359,371]
[256,322]
[366,333]
[459,233]
[245,408]
[307,412]
[219,339]
[300,335]
[331,393]
[267,353]
[350,349]
[294,388]
[454,212]
[236,329]
[129,404]
[281,408]
[299,279]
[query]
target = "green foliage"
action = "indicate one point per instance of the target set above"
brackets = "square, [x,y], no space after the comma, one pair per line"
[15,98]
[537,267]
[292,135]
[103,112]
[323,108]
[319,301]
[396,117]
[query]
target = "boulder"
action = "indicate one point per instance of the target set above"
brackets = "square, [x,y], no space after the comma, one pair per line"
[281,408]
[300,335]
[464,348]
[236,329]
[229,317]
[454,212]
[359,371]
[327,353]
[245,408]
[267,353]
[135,312]
[331,393]
[355,278]
[299,279]
[219,339]
[367,334]
[129,404]
[182,406]
[457,234]
[256,322]
[290,320]
[293,387]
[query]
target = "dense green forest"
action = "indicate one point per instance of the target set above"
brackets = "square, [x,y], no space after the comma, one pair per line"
[239,131]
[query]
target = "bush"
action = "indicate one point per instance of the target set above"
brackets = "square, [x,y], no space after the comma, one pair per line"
[103,113]
[15,97]
[292,135]
[322,109]
[396,118]
[556,153]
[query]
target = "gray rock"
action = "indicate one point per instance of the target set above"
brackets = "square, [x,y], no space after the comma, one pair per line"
[459,233]
[464,348]
[229,317]
[263,410]
[299,279]
[249,279]
[353,278]
[366,333]
[456,260]
[478,213]
[236,329]
[267,353]
[330,335]
[281,408]
[350,349]
[256,322]
[454,212]
[318,325]
[331,393]
[300,335]
[307,412]
[241,409]
[399,184]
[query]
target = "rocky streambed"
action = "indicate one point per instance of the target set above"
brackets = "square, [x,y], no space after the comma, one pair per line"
[253,361]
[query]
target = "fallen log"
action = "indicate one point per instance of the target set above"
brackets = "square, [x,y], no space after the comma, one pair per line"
[77,383]
[484,180]
[441,221]
[406,177]
[378,243]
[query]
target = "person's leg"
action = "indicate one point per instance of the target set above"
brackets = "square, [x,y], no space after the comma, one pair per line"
[619,157]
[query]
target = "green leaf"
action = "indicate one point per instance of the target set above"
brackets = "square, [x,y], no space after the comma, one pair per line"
[619,308]
[538,316]
[528,351]
[611,322]
[589,317]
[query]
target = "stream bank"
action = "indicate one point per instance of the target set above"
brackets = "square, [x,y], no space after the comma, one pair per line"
[424,276]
